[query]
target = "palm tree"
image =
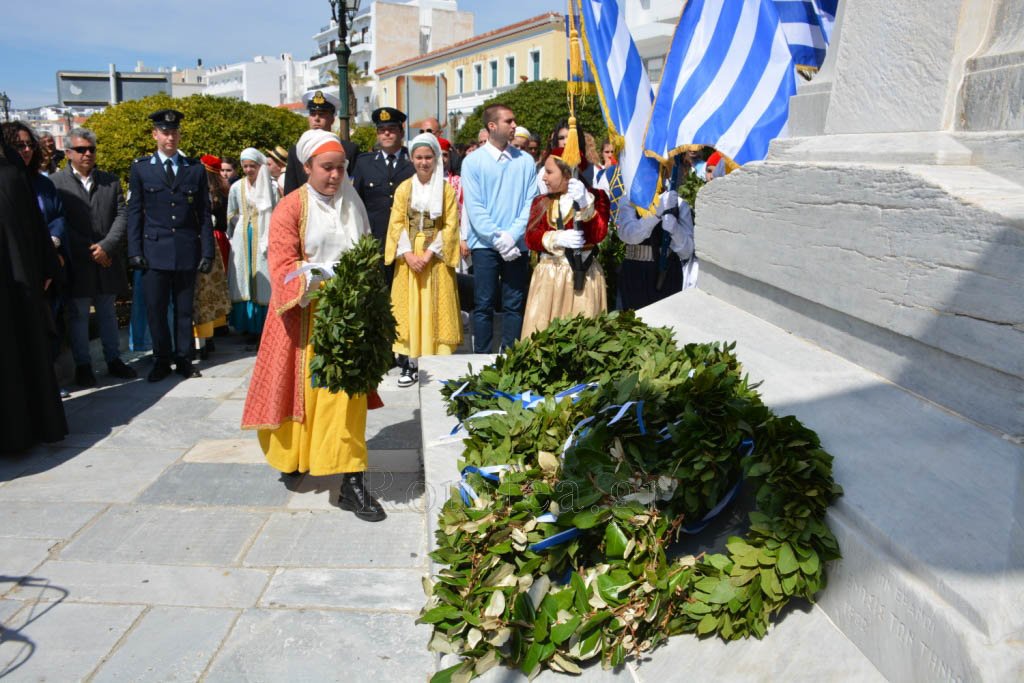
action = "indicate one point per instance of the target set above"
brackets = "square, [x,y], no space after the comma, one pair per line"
[355,77]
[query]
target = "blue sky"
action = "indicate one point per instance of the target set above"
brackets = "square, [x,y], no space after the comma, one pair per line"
[60,35]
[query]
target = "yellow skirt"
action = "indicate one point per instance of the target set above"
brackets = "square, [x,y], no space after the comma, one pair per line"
[205,330]
[331,439]
[552,295]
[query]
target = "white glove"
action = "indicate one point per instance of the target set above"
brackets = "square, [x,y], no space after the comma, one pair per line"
[512,254]
[503,242]
[681,231]
[669,200]
[569,239]
[578,191]
[542,187]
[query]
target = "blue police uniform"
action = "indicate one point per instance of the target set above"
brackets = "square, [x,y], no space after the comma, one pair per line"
[169,226]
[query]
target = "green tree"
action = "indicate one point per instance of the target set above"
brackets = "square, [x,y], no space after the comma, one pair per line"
[222,126]
[540,105]
[365,136]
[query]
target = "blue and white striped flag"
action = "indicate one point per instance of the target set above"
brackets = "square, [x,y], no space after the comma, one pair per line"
[808,28]
[624,90]
[727,82]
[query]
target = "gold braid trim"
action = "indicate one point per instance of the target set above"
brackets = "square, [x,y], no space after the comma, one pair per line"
[303,216]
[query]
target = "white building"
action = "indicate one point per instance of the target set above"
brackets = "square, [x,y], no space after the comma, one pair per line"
[439,24]
[263,80]
[652,23]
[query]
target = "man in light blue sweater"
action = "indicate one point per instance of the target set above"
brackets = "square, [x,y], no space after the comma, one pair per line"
[498,184]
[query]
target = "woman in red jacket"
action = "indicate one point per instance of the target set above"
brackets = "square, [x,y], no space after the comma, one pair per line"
[566,225]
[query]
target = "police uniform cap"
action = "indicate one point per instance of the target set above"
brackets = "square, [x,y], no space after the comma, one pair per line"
[167,119]
[385,116]
[318,100]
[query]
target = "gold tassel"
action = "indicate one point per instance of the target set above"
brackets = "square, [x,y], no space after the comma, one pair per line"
[571,153]
[575,58]
[576,84]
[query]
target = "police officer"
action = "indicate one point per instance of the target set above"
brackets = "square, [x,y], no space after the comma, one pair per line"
[322,109]
[170,237]
[377,174]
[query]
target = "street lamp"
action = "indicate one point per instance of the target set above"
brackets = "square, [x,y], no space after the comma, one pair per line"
[343,12]
[5,101]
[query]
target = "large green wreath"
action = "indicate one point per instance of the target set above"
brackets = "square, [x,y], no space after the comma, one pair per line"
[630,483]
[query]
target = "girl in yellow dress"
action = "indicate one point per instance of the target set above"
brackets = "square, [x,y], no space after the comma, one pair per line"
[423,243]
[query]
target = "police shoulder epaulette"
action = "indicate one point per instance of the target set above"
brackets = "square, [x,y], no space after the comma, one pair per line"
[144,158]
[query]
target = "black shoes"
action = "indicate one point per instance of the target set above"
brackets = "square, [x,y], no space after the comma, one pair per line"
[184,368]
[355,498]
[207,348]
[408,377]
[117,368]
[161,370]
[84,377]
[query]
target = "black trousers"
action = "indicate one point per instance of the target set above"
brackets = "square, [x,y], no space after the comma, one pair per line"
[638,282]
[159,286]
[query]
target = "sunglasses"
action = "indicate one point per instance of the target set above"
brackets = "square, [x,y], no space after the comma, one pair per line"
[83,149]
[426,130]
[24,145]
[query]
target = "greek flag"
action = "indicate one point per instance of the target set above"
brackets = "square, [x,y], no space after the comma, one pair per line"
[727,82]
[808,28]
[624,90]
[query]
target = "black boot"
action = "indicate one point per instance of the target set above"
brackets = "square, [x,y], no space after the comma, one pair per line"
[357,499]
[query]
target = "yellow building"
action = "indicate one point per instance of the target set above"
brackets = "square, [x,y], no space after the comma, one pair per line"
[484,66]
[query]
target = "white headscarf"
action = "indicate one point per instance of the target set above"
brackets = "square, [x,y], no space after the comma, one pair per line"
[428,196]
[333,224]
[261,194]
[313,140]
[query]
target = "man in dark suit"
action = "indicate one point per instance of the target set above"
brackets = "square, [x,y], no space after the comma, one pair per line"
[322,108]
[375,175]
[170,237]
[96,220]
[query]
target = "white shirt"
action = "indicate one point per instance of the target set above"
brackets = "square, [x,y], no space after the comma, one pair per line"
[86,180]
[499,155]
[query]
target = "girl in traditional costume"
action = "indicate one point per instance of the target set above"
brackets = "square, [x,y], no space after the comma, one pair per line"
[301,428]
[565,227]
[212,303]
[423,243]
[251,202]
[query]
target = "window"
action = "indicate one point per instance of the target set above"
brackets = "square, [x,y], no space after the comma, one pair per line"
[478,77]
[535,65]
[510,70]
[494,73]
[459,82]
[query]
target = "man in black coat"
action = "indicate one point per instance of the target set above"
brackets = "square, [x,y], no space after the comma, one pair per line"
[375,175]
[32,409]
[322,108]
[96,221]
[170,237]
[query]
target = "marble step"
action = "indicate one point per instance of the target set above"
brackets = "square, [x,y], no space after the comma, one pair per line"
[932,579]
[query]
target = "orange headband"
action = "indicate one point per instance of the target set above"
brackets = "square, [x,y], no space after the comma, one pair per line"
[328,146]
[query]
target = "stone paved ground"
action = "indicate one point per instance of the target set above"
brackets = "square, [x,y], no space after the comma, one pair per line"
[155,544]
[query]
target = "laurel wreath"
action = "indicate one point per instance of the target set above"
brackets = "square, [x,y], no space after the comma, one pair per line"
[667,438]
[354,327]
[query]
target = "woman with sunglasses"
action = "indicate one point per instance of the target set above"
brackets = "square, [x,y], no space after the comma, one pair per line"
[25,142]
